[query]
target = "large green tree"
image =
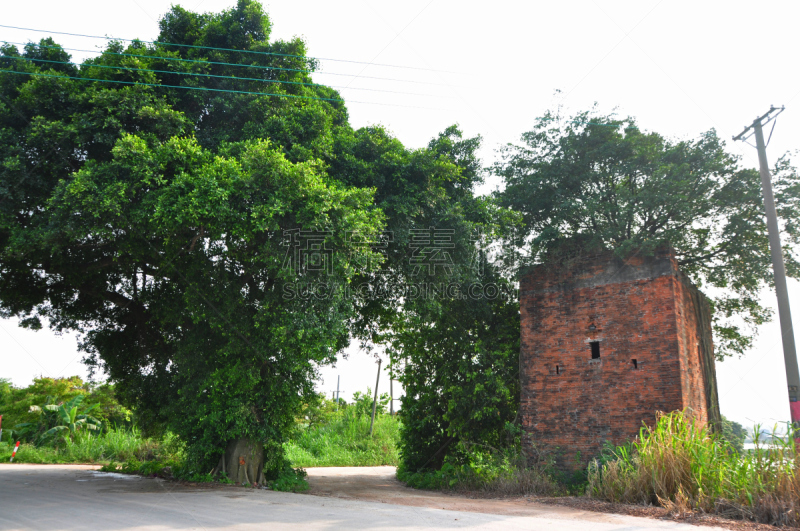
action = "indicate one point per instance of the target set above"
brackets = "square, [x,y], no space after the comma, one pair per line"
[452,330]
[152,218]
[602,181]
[171,227]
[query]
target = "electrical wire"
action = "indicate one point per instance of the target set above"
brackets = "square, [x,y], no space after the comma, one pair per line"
[231,50]
[207,89]
[261,67]
[92,65]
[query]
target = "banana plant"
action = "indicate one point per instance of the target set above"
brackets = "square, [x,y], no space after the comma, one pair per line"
[71,421]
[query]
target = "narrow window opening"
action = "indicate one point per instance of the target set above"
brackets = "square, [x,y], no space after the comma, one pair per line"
[635,363]
[595,350]
[558,370]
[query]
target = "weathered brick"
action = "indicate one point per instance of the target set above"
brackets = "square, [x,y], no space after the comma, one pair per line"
[642,309]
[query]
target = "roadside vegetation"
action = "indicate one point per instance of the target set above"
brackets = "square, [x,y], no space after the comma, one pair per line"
[69,421]
[492,471]
[329,436]
[684,468]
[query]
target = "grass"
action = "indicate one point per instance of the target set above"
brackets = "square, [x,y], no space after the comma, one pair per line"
[344,441]
[682,467]
[113,445]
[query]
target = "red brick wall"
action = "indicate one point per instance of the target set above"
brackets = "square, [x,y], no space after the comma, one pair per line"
[694,338]
[640,309]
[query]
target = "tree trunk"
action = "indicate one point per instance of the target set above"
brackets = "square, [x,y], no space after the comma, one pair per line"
[243,462]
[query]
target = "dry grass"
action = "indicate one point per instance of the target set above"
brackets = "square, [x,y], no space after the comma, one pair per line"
[683,468]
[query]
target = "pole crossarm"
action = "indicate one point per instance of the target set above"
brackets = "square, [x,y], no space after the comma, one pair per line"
[771,110]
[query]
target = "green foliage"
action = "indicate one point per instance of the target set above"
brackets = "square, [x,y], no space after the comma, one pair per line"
[290,480]
[26,415]
[601,182]
[461,377]
[344,440]
[116,444]
[69,420]
[499,471]
[316,410]
[362,404]
[678,465]
[733,434]
[155,221]
[456,357]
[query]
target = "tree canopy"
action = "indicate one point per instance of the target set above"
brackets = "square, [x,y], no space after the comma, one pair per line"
[603,181]
[171,227]
[203,241]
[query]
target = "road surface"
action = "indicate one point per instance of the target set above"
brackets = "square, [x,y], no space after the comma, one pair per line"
[64,497]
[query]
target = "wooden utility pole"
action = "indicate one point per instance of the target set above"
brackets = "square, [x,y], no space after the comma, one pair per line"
[375,400]
[338,377]
[778,267]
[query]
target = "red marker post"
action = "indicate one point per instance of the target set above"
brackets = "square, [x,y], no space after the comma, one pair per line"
[14,452]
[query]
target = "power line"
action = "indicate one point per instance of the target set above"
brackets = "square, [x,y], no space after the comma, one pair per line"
[132,69]
[207,89]
[261,67]
[232,50]
[171,86]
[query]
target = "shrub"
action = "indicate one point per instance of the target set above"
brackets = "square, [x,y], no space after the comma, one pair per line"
[290,480]
[472,467]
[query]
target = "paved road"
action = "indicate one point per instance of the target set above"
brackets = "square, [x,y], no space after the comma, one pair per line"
[61,497]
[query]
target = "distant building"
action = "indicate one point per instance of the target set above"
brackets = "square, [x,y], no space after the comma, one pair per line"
[607,343]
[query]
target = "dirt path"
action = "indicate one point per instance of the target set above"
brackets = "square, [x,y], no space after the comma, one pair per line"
[378,484]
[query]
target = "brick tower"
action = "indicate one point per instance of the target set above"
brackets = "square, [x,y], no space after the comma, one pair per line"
[607,343]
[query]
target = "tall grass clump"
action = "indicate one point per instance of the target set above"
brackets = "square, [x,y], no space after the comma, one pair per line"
[683,467]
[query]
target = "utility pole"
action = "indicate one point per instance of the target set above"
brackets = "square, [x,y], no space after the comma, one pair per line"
[375,400]
[338,377]
[784,313]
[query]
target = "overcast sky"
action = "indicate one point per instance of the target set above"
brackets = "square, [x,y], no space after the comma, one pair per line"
[681,68]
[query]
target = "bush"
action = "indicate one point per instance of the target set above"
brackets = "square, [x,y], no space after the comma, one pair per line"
[682,467]
[471,467]
[290,480]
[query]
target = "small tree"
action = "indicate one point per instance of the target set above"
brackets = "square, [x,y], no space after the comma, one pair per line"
[71,420]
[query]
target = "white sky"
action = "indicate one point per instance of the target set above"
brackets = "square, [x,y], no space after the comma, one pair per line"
[679,67]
